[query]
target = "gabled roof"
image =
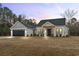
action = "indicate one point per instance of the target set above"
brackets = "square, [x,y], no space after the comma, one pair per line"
[59,21]
[18,25]
[21,25]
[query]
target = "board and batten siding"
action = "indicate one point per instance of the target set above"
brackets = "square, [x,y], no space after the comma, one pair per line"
[29,32]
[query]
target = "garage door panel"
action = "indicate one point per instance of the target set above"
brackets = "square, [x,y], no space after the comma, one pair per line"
[18,33]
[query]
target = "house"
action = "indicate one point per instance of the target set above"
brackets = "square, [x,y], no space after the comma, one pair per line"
[52,27]
[47,27]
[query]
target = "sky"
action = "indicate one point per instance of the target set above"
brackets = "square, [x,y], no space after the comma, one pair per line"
[40,11]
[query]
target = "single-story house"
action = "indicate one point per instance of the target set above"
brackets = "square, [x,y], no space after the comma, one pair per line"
[47,27]
[52,27]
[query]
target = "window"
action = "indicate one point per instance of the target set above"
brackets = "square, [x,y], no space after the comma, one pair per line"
[61,30]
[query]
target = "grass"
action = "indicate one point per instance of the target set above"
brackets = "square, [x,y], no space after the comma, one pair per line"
[39,46]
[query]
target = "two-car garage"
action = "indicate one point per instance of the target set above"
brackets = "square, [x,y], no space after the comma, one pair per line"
[18,32]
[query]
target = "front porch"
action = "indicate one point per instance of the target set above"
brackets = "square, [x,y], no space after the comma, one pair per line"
[48,30]
[51,31]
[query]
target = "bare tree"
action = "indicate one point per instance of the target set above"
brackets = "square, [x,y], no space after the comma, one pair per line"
[69,14]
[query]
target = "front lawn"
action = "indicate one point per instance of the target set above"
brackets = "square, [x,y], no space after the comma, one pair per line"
[23,46]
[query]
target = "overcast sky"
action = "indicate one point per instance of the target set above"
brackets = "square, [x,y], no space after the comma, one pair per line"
[41,11]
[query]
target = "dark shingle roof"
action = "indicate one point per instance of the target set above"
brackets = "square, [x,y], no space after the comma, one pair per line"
[59,21]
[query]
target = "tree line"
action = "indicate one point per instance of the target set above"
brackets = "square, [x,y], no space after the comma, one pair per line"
[8,18]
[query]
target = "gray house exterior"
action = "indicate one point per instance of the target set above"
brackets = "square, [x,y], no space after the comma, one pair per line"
[47,27]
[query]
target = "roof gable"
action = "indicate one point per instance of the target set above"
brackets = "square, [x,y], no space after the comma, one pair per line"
[48,24]
[18,25]
[59,21]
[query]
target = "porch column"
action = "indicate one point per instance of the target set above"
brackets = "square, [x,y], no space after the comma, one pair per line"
[25,32]
[45,33]
[54,32]
[11,33]
[63,32]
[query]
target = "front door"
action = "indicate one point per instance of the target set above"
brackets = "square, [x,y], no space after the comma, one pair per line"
[48,32]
